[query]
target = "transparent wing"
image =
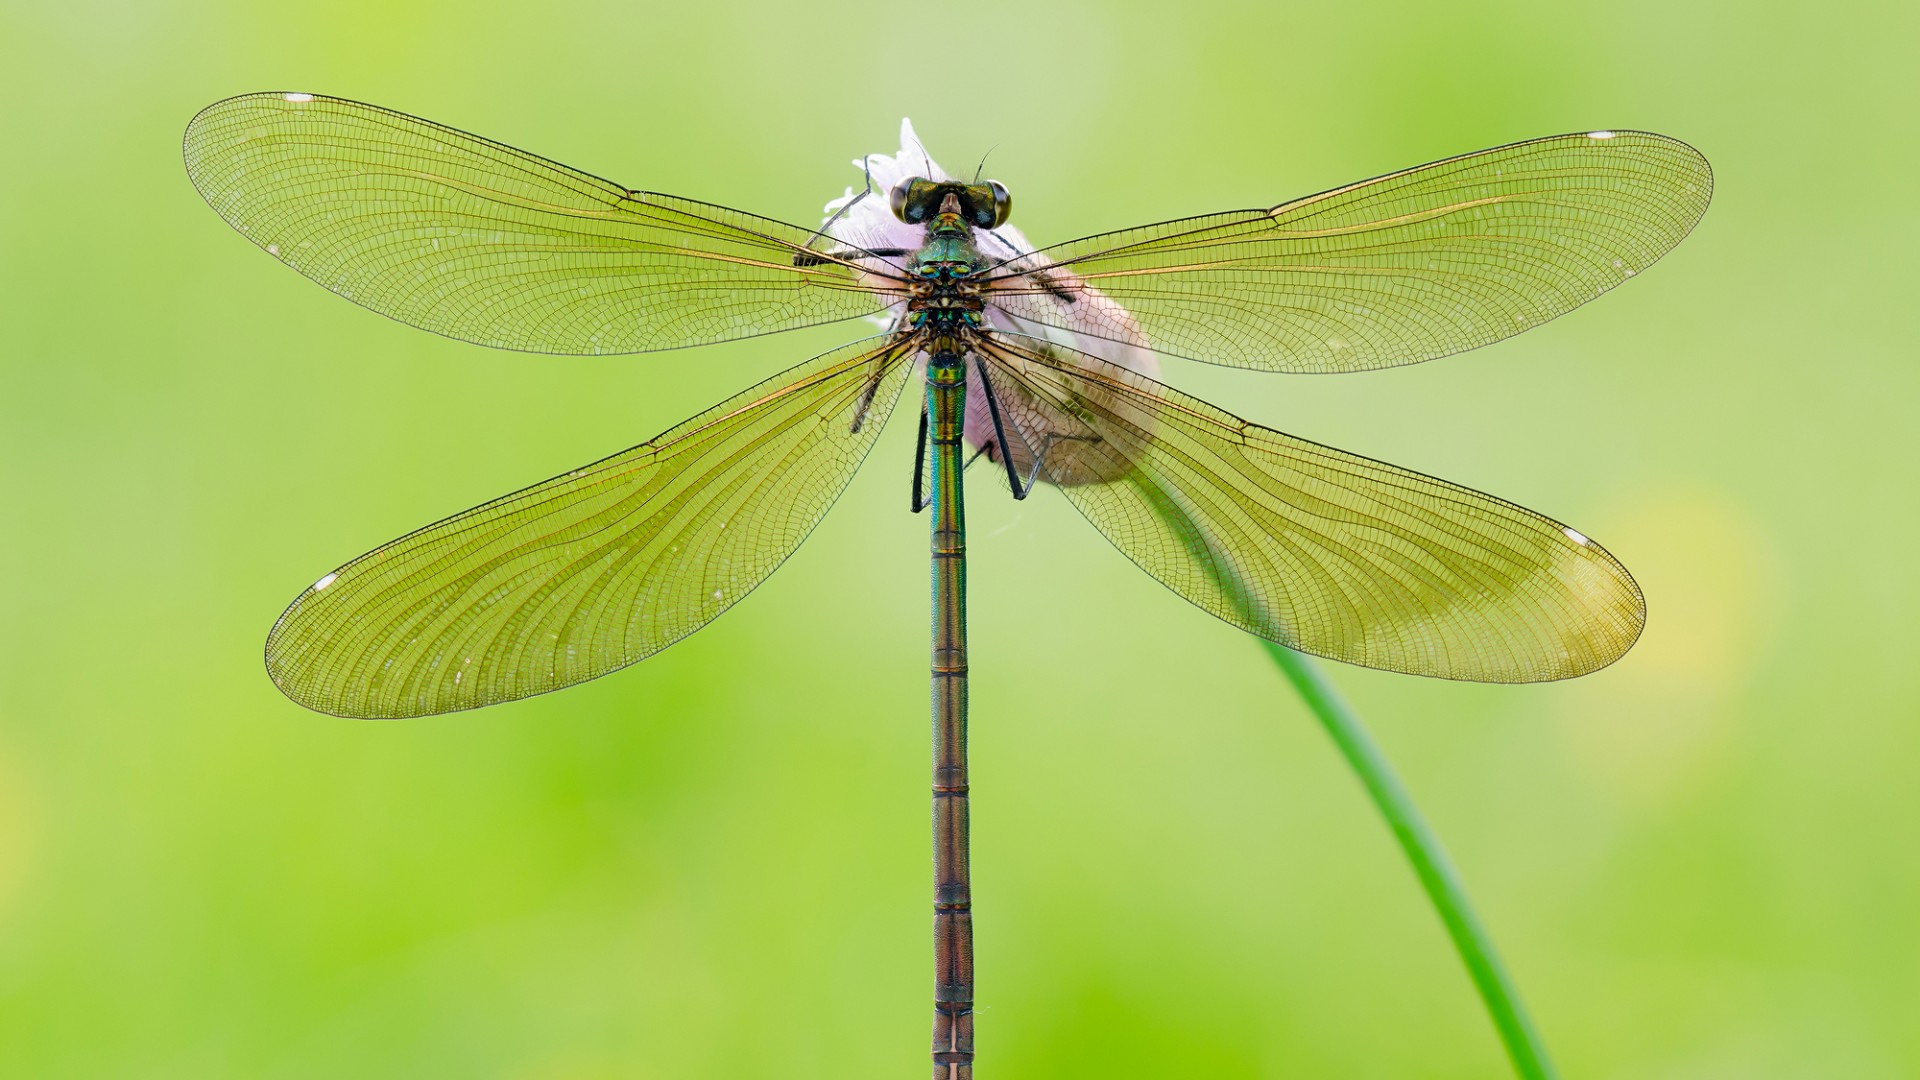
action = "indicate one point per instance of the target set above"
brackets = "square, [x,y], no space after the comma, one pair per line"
[1322,551]
[1395,270]
[593,570]
[481,242]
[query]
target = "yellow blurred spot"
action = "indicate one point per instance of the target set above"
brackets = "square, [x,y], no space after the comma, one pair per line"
[1658,719]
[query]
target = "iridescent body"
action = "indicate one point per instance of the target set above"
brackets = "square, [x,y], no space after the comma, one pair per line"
[1042,360]
[945,311]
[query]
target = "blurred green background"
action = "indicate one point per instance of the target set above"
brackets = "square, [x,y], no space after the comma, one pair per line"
[1698,863]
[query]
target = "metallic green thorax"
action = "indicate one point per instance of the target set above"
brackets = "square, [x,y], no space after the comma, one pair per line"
[947,302]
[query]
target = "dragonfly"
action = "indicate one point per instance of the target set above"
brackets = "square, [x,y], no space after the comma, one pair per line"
[1042,361]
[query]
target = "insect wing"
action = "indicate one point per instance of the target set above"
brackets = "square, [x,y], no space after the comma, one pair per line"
[1403,268]
[1320,550]
[478,241]
[593,570]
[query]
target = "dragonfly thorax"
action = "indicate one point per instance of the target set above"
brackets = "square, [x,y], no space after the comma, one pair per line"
[944,299]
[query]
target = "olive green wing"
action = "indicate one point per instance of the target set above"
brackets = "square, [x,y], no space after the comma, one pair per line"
[1403,268]
[478,241]
[595,569]
[1320,550]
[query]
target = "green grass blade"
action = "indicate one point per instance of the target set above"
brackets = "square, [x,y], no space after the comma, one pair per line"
[1436,873]
[1423,850]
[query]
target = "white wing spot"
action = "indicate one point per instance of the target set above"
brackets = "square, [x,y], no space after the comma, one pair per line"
[1600,134]
[298,97]
[1574,536]
[324,582]
[273,249]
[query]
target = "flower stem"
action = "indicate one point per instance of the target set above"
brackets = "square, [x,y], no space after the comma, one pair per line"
[1363,755]
[1429,860]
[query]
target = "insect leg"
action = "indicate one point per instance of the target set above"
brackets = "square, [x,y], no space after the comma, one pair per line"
[1057,291]
[1020,490]
[867,392]
[804,259]
[920,498]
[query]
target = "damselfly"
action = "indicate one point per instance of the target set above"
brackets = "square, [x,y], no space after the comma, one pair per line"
[1040,360]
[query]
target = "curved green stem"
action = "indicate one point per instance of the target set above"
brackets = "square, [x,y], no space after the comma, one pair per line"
[1363,755]
[1429,860]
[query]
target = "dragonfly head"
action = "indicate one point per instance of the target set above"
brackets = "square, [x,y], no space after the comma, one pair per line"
[948,203]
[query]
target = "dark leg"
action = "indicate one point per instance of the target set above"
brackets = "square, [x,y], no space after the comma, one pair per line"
[807,258]
[1000,434]
[920,499]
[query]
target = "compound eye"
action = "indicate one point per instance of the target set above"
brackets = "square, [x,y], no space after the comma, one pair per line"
[911,213]
[1002,203]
